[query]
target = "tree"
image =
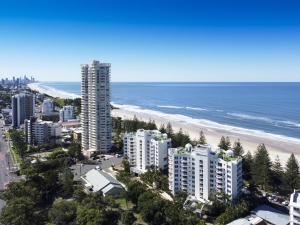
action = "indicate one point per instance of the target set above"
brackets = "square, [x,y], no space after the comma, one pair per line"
[62,212]
[292,173]
[128,218]
[276,175]
[169,130]
[261,169]
[162,129]
[18,141]
[224,143]
[90,216]
[180,139]
[66,180]
[126,165]
[202,139]
[151,208]
[247,166]
[74,151]
[134,190]
[20,211]
[151,125]
[238,148]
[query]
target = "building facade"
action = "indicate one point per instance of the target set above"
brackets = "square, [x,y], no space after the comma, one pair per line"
[95,108]
[66,113]
[47,106]
[22,108]
[146,148]
[295,208]
[205,174]
[39,132]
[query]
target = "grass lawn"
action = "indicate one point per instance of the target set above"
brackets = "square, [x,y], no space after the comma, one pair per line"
[122,203]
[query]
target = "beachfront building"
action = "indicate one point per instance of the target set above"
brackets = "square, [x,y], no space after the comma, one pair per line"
[22,108]
[47,106]
[295,208]
[146,148]
[95,108]
[39,132]
[205,173]
[66,113]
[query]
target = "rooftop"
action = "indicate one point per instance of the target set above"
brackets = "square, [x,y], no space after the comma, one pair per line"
[99,180]
[182,151]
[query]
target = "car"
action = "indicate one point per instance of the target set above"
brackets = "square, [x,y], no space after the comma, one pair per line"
[285,203]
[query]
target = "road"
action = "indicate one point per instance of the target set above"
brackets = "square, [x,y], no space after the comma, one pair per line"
[5,161]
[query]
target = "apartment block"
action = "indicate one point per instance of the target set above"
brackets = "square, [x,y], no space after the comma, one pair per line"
[39,132]
[295,208]
[146,148]
[205,173]
[22,108]
[95,108]
[47,106]
[66,113]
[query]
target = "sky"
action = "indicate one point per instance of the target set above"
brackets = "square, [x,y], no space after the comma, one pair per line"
[154,40]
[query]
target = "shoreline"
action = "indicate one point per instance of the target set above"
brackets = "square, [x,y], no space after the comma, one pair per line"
[279,145]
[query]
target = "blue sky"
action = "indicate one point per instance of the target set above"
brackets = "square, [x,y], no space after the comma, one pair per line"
[152,40]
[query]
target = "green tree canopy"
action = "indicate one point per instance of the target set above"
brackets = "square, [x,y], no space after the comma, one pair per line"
[202,139]
[128,218]
[224,143]
[238,148]
[261,170]
[292,173]
[62,212]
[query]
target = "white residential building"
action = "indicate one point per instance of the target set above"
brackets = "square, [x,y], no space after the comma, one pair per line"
[295,208]
[22,108]
[95,108]
[145,148]
[39,132]
[47,106]
[66,113]
[203,173]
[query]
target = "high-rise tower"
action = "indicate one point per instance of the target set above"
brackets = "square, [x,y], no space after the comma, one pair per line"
[95,107]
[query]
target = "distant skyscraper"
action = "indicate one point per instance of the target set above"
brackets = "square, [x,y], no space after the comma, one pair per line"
[95,107]
[22,108]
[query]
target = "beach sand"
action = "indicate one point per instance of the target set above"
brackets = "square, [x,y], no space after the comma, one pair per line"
[277,145]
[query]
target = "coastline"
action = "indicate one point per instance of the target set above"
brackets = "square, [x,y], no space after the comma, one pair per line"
[51,92]
[279,145]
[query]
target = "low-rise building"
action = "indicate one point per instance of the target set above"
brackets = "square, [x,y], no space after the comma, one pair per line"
[146,148]
[39,132]
[295,208]
[66,113]
[99,181]
[205,173]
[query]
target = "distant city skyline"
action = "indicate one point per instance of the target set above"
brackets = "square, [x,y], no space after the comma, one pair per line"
[152,40]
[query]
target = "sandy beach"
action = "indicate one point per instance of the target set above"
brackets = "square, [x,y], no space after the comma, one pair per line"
[276,144]
[52,92]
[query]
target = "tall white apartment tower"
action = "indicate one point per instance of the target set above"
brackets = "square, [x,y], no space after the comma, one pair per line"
[146,148]
[205,173]
[95,107]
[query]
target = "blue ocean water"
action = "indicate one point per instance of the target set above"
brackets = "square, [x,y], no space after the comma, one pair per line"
[269,107]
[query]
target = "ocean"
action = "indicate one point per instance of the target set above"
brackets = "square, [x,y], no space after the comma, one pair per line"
[272,108]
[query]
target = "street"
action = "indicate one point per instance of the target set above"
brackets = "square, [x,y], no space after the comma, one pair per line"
[5,161]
